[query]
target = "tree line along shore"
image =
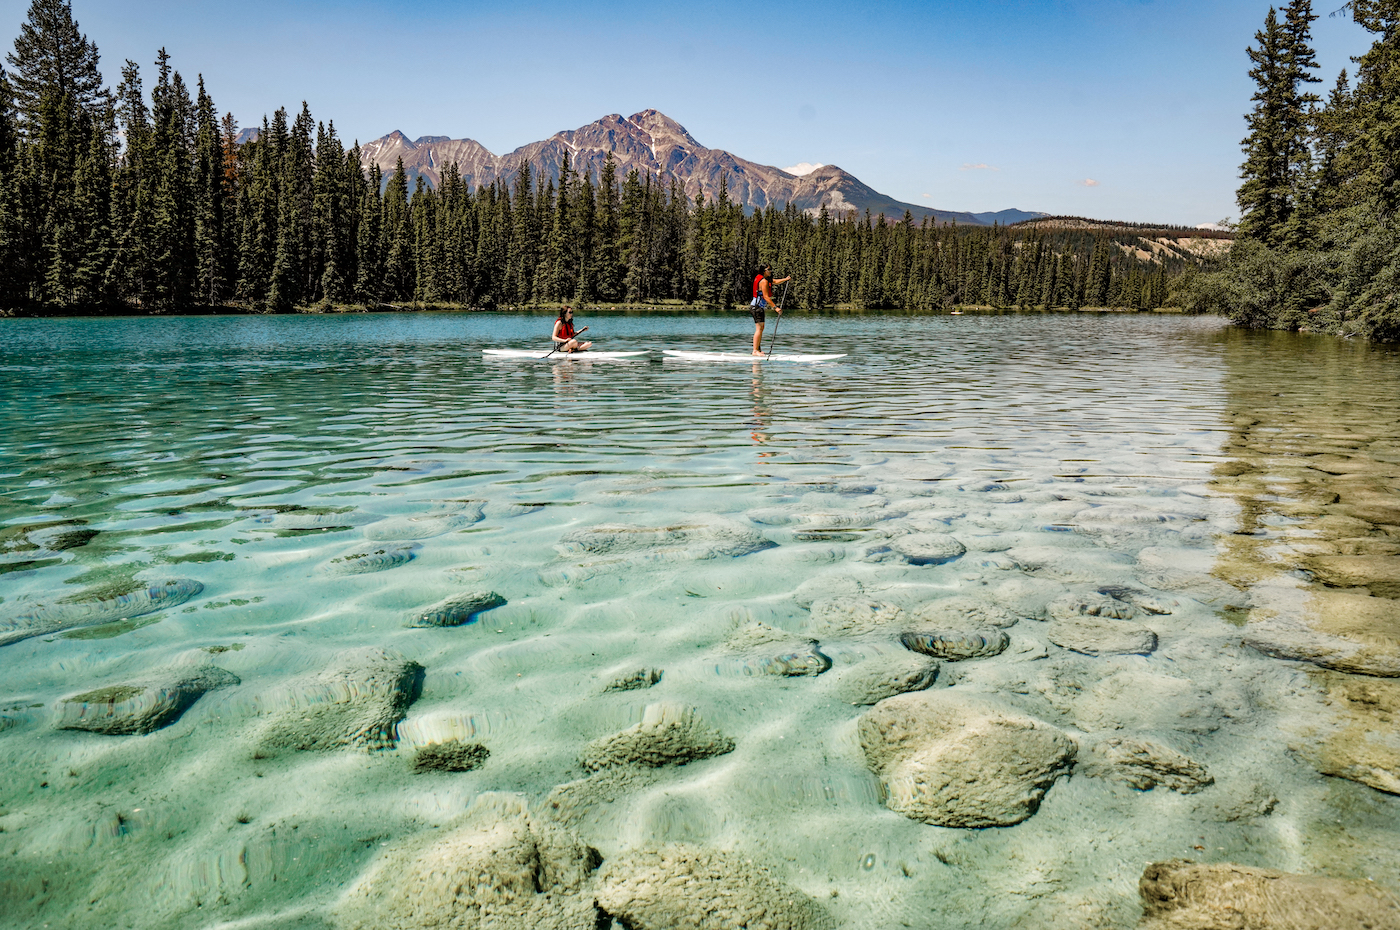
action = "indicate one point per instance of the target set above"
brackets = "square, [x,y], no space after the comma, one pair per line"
[128,202]
[1319,246]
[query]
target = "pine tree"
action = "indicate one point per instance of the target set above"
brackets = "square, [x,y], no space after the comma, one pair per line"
[52,57]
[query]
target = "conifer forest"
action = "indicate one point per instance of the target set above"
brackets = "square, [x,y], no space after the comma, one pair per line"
[1319,246]
[143,199]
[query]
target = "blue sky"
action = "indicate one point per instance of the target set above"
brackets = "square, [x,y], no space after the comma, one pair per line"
[959,105]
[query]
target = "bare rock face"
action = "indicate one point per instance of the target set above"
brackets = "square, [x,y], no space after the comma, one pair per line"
[1095,636]
[141,706]
[497,868]
[355,703]
[1144,764]
[957,760]
[1364,745]
[1346,632]
[669,734]
[1184,895]
[695,888]
[873,680]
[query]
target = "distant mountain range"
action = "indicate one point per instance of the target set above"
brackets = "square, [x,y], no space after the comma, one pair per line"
[655,144]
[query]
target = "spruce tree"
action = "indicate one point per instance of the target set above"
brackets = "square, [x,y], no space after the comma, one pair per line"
[53,57]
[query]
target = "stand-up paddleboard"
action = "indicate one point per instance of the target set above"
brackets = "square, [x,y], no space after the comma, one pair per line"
[745,357]
[557,356]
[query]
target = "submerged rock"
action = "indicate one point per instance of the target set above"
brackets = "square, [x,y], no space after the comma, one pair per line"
[498,868]
[682,541]
[851,615]
[823,586]
[957,644]
[928,548]
[1094,636]
[456,610]
[770,651]
[1185,895]
[1346,632]
[366,560]
[451,756]
[669,734]
[54,617]
[956,760]
[355,703]
[964,609]
[636,681]
[873,680]
[697,888]
[1144,764]
[141,706]
[1364,742]
[1380,574]
[424,526]
[1073,606]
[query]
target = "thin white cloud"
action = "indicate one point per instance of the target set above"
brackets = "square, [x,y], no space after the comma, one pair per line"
[803,167]
[980,166]
[1088,182]
[926,196]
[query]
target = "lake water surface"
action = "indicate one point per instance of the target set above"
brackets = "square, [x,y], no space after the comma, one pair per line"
[281,498]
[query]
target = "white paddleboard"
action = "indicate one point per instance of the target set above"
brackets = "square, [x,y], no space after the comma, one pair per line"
[560,356]
[741,357]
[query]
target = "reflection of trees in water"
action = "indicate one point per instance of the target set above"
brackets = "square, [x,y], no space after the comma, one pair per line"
[1313,461]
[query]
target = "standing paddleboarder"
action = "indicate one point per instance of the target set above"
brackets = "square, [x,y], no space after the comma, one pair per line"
[763,299]
[565,336]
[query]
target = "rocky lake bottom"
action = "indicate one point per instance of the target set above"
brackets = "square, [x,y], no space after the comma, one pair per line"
[1011,621]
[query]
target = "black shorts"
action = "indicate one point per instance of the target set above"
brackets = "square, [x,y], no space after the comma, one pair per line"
[758,315]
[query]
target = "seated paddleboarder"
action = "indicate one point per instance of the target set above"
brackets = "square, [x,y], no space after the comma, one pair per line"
[763,299]
[565,336]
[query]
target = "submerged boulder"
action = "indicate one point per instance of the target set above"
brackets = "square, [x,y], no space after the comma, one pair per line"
[956,760]
[1185,895]
[56,616]
[873,680]
[1095,636]
[669,734]
[1336,630]
[1095,604]
[928,548]
[498,868]
[370,558]
[849,615]
[765,650]
[1144,764]
[697,888]
[700,539]
[356,703]
[456,610]
[141,706]
[958,643]
[963,610]
[1363,743]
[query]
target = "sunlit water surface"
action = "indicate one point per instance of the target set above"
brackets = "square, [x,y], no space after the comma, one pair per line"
[254,455]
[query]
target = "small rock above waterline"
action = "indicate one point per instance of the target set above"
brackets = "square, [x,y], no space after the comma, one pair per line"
[457,610]
[955,645]
[141,706]
[1144,764]
[1184,895]
[956,760]
[928,548]
[873,680]
[451,756]
[1095,636]
[636,681]
[697,888]
[669,734]
[355,703]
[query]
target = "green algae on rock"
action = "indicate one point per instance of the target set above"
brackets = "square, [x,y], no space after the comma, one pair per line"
[56,616]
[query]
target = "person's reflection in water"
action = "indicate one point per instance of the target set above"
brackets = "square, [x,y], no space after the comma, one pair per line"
[762,413]
[564,374]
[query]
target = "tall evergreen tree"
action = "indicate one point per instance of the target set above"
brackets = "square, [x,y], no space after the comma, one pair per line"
[53,57]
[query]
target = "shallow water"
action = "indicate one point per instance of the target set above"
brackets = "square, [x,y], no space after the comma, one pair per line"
[326,478]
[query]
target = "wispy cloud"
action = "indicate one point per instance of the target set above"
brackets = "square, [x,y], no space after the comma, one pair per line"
[981,166]
[1089,182]
[926,196]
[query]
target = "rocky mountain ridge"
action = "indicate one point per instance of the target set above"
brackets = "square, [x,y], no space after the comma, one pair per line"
[657,145]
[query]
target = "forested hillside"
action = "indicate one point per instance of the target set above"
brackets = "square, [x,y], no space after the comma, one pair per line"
[1320,246]
[114,202]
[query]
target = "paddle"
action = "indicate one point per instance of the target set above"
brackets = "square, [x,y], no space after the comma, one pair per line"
[565,342]
[776,322]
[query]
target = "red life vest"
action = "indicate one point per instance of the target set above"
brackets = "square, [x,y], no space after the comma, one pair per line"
[756,281]
[566,329]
